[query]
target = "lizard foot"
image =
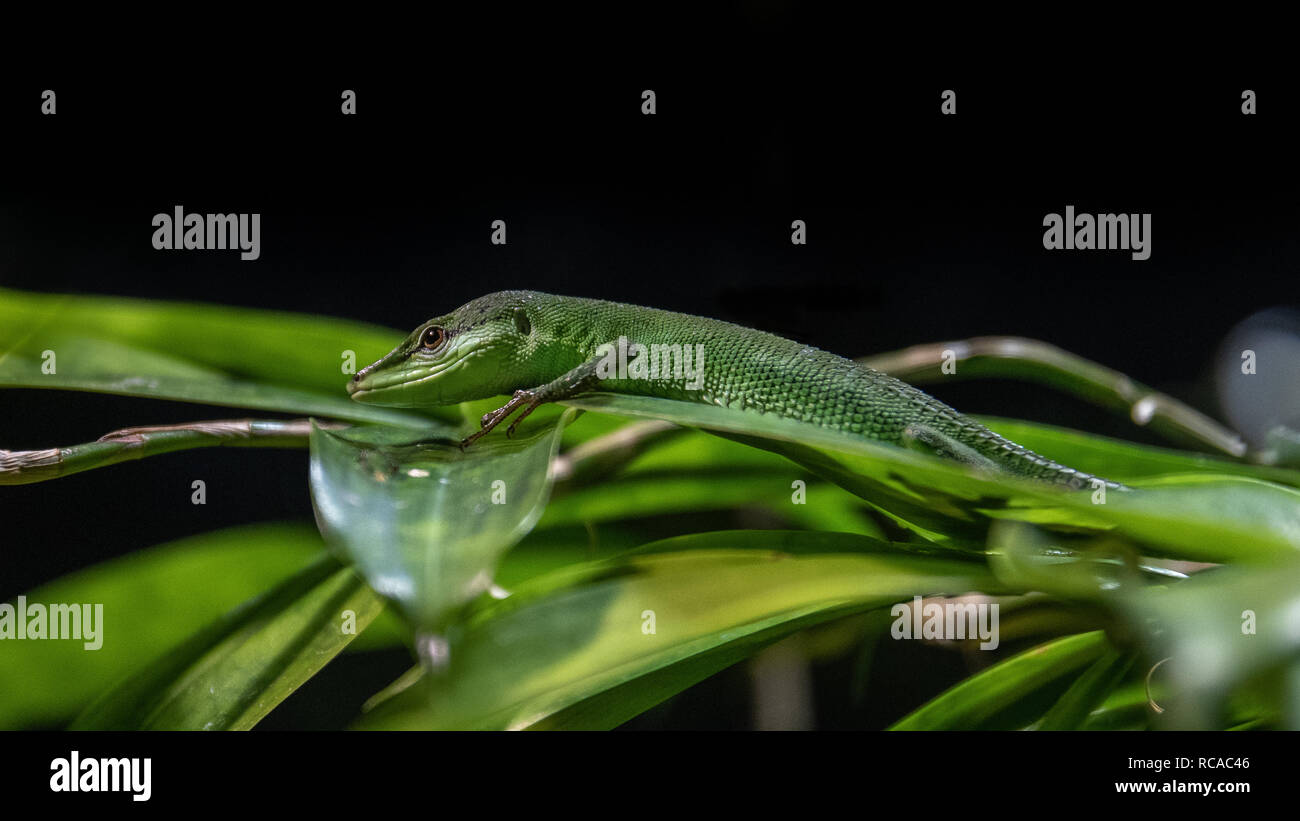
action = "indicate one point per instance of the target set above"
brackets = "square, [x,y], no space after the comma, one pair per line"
[528,399]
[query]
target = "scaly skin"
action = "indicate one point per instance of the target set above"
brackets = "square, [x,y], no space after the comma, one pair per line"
[542,347]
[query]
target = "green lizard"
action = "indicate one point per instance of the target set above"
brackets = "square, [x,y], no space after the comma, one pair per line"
[542,348]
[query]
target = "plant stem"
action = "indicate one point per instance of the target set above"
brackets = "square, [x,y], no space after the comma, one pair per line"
[18,467]
[1039,362]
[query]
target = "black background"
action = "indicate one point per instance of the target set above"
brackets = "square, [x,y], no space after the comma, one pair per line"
[920,227]
[374,771]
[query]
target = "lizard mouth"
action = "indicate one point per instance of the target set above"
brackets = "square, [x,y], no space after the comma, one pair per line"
[378,385]
[381,375]
[397,381]
[365,383]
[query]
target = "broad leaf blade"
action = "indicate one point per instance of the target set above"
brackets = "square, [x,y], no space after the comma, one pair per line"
[211,354]
[230,675]
[152,600]
[981,696]
[581,633]
[1191,515]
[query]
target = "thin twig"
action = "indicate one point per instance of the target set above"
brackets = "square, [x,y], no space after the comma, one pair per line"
[19,467]
[1036,361]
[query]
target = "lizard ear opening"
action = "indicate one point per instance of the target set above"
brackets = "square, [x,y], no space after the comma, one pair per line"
[521,322]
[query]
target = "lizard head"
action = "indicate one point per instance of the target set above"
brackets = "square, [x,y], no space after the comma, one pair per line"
[471,353]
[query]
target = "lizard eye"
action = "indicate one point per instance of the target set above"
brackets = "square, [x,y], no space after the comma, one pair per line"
[433,337]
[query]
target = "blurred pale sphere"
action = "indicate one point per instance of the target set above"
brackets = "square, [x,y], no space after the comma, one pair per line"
[1257,377]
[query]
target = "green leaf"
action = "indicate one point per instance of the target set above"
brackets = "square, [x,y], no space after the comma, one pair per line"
[152,600]
[629,497]
[1229,635]
[1208,518]
[16,372]
[800,542]
[699,453]
[230,675]
[1088,691]
[540,657]
[981,696]
[1125,708]
[694,472]
[290,349]
[234,357]
[425,521]
[1126,461]
[1192,516]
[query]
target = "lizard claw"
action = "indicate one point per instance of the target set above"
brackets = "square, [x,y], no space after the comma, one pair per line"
[492,419]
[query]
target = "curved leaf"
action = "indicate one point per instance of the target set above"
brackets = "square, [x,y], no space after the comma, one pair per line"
[1088,691]
[1127,461]
[1194,516]
[230,675]
[424,521]
[152,600]
[579,634]
[211,354]
[981,696]
[286,348]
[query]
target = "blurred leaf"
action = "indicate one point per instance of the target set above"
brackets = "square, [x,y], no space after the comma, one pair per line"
[1231,636]
[1208,518]
[691,471]
[424,521]
[286,348]
[231,674]
[212,354]
[16,372]
[1125,708]
[580,634]
[800,542]
[1088,571]
[1223,638]
[979,697]
[547,550]
[1088,691]
[630,497]
[152,600]
[698,452]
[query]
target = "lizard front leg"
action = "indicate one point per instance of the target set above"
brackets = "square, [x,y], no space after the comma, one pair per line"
[577,381]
